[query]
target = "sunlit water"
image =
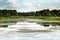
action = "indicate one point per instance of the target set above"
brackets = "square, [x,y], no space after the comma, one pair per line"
[13,32]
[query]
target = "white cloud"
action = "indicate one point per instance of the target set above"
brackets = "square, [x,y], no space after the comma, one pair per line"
[46,7]
[58,1]
[0,0]
[29,6]
[14,3]
[51,7]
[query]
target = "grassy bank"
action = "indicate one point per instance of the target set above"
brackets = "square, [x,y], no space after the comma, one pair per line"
[42,17]
[14,18]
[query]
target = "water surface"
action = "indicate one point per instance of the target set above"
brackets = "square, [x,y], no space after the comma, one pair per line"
[7,33]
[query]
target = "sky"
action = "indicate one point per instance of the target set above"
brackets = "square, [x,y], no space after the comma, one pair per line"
[29,5]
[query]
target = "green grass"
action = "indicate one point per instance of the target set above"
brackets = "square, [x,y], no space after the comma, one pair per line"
[42,17]
[13,18]
[8,18]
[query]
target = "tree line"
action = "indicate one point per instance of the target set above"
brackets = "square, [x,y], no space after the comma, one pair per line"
[45,12]
[8,13]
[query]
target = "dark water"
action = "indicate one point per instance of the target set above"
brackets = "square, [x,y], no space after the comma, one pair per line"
[12,33]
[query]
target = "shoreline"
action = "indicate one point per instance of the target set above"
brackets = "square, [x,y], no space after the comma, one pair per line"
[18,18]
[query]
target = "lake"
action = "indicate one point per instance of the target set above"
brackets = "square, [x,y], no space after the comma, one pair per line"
[30,30]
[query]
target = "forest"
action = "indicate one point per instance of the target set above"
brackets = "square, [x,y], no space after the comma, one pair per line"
[45,12]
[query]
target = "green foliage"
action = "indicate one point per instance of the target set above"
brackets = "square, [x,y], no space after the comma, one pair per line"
[45,12]
[8,13]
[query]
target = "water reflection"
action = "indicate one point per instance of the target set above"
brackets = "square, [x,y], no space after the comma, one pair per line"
[12,33]
[24,26]
[29,24]
[3,26]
